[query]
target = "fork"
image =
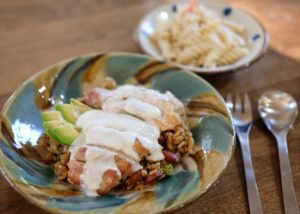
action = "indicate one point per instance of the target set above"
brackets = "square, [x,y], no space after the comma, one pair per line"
[242,120]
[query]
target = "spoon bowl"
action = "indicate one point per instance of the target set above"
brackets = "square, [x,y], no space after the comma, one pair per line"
[278,110]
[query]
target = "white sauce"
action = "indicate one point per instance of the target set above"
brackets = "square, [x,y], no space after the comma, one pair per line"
[98,161]
[149,96]
[105,94]
[127,115]
[132,106]
[121,122]
[78,142]
[114,104]
[141,109]
[91,177]
[122,142]
[141,93]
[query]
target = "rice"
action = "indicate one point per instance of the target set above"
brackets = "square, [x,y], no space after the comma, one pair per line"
[61,167]
[179,140]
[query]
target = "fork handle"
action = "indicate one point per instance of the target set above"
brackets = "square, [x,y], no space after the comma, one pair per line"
[288,190]
[252,190]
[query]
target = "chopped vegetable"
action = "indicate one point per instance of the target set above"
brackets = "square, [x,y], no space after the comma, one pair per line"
[168,170]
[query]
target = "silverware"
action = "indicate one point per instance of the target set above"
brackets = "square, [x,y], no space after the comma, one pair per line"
[242,119]
[279,110]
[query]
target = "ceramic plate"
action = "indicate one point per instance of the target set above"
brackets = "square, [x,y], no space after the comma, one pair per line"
[21,126]
[256,37]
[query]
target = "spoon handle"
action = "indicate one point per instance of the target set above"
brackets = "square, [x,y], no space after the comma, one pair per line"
[289,195]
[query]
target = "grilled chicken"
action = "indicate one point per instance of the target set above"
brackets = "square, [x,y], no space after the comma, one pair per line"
[114,168]
[146,104]
[115,138]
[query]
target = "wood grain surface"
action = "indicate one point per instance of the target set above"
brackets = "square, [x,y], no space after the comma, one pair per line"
[35,34]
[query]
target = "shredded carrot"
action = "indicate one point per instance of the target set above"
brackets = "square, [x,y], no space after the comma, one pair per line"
[191,7]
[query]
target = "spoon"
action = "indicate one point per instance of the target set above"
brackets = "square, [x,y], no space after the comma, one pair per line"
[279,110]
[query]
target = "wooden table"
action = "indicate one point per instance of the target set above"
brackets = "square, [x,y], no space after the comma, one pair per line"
[35,34]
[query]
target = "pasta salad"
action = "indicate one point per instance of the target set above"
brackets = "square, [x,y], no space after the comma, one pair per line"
[196,36]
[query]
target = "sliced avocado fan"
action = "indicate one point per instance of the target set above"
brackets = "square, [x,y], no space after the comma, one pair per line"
[51,115]
[65,133]
[67,112]
[79,107]
[60,124]
[49,125]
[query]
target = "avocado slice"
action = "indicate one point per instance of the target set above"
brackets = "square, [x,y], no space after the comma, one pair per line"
[51,116]
[49,125]
[67,112]
[66,134]
[79,107]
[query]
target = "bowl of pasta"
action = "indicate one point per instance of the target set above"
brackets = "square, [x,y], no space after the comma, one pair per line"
[205,37]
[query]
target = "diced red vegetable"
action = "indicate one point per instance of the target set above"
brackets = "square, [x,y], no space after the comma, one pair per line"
[191,6]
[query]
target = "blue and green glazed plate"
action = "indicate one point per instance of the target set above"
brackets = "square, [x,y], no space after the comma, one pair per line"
[21,126]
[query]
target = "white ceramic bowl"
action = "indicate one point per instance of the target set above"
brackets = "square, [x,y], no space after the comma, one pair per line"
[256,37]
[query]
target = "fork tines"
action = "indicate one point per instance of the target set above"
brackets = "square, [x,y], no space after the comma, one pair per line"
[238,106]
